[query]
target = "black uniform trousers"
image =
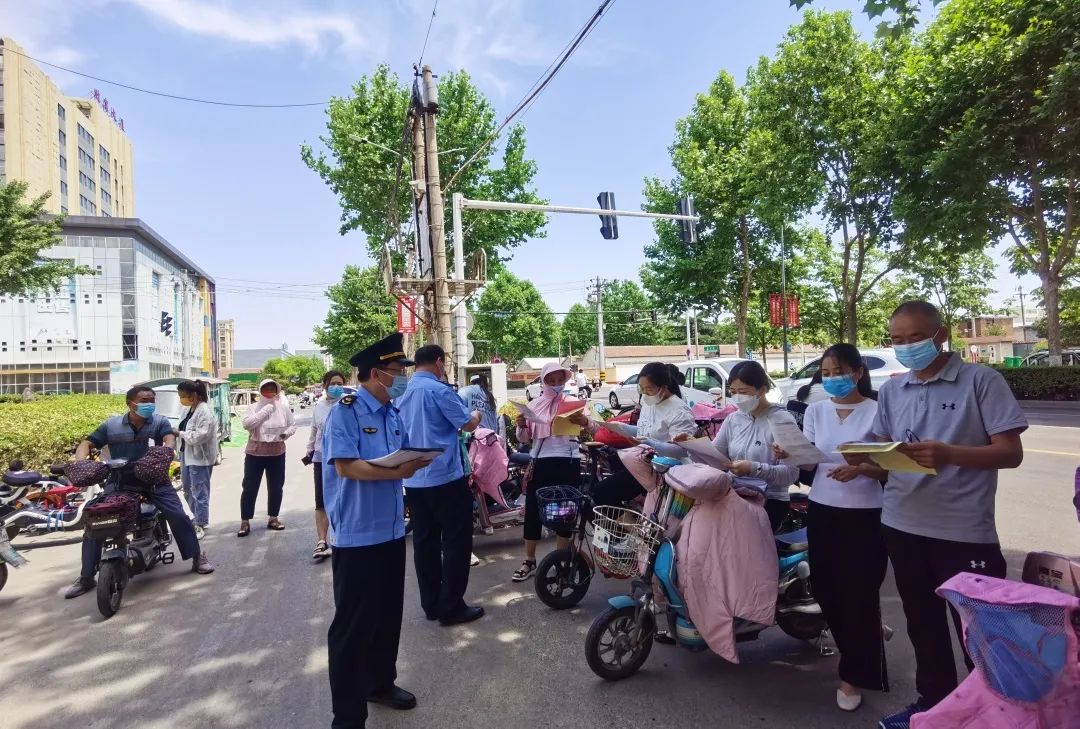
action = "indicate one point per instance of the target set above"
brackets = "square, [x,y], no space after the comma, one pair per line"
[920,565]
[442,521]
[848,563]
[369,594]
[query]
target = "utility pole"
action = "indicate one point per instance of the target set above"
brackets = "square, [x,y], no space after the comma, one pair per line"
[420,175]
[600,329]
[435,220]
[697,339]
[1023,318]
[688,355]
[783,294]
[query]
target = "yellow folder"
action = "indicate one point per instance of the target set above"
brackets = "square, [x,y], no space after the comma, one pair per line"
[887,456]
[561,425]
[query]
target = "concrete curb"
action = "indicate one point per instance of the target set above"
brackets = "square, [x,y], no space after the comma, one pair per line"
[1050,404]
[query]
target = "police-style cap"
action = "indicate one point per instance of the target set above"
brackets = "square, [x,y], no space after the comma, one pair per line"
[383,352]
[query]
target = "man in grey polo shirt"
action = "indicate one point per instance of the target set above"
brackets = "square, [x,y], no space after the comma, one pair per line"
[963,421]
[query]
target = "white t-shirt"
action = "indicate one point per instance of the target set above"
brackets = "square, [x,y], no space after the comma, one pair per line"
[665,420]
[580,379]
[824,428]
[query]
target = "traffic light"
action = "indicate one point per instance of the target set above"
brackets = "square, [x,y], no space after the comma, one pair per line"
[166,324]
[687,228]
[609,225]
[655,315]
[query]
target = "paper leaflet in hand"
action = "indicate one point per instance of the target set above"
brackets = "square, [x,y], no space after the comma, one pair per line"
[562,424]
[800,451]
[407,455]
[525,411]
[702,450]
[886,455]
[624,429]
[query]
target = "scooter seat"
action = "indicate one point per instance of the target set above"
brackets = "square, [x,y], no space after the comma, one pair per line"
[517,458]
[21,478]
[793,541]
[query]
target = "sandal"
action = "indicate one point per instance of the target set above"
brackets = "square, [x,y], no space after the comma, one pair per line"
[525,571]
[663,637]
[275,524]
[245,529]
[322,550]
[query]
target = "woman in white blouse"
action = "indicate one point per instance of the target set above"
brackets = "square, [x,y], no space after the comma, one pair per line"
[847,552]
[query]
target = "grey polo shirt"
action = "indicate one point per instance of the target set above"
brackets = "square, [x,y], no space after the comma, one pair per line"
[964,404]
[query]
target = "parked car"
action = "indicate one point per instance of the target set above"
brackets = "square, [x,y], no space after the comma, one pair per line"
[1042,359]
[706,375]
[535,388]
[624,393]
[882,363]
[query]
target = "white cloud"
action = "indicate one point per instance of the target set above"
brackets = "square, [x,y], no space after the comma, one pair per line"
[37,26]
[316,31]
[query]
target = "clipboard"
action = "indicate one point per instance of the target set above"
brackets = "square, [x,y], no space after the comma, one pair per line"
[887,456]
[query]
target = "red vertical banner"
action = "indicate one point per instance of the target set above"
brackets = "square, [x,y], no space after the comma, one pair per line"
[406,315]
[793,311]
[775,315]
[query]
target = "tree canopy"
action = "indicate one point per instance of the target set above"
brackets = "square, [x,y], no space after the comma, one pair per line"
[361,312]
[298,370]
[513,321]
[364,138]
[26,232]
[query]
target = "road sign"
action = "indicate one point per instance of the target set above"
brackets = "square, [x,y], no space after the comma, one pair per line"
[406,315]
[712,349]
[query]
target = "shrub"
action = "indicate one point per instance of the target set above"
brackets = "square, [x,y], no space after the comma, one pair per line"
[44,430]
[1043,383]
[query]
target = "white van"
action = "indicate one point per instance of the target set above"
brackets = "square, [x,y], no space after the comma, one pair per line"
[704,375]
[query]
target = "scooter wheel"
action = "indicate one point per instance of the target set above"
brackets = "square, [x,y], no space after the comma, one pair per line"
[562,579]
[3,575]
[802,626]
[110,588]
[12,530]
[616,646]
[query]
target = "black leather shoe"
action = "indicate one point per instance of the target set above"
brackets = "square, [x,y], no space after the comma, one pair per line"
[395,698]
[467,615]
[79,587]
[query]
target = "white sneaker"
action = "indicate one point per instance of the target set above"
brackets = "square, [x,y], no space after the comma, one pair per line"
[848,703]
[474,561]
[200,532]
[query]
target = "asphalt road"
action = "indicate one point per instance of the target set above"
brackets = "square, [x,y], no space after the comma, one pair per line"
[246,646]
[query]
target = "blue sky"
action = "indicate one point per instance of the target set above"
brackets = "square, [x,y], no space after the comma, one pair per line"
[227,185]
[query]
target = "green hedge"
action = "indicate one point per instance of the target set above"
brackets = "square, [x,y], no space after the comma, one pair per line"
[42,431]
[1043,383]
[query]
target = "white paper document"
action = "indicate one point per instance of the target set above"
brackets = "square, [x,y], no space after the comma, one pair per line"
[407,455]
[801,452]
[629,431]
[527,412]
[702,450]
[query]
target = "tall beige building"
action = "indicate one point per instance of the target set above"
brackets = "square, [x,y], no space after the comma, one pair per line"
[72,147]
[226,333]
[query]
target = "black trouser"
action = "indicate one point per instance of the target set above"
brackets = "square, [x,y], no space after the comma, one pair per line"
[369,592]
[920,565]
[848,563]
[442,520]
[548,472]
[318,486]
[254,467]
[165,498]
[777,511]
[617,489]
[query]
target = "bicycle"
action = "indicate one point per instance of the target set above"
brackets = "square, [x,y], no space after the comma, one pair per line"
[563,576]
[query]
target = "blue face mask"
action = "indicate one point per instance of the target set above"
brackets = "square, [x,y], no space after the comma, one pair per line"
[334,392]
[917,356]
[841,386]
[397,389]
[145,409]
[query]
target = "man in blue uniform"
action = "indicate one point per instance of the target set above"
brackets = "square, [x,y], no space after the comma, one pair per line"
[364,505]
[128,436]
[440,502]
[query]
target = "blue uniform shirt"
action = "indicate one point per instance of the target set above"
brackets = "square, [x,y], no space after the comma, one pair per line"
[362,513]
[433,414]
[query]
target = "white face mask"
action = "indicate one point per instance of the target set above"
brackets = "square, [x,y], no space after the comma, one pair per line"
[650,400]
[746,403]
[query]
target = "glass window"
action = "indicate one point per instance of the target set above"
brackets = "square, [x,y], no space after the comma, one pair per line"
[874,363]
[61,113]
[63,138]
[809,370]
[155,280]
[63,163]
[705,378]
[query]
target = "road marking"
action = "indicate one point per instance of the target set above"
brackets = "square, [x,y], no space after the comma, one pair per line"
[1052,453]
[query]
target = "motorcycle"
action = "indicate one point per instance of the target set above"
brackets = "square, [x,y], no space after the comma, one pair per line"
[621,638]
[8,555]
[33,504]
[495,491]
[133,534]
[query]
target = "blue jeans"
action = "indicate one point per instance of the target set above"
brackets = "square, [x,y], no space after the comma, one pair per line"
[196,480]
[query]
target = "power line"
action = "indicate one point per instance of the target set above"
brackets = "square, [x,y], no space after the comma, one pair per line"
[538,87]
[428,34]
[177,97]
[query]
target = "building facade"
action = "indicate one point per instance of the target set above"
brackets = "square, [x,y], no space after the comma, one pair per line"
[149,312]
[74,148]
[226,343]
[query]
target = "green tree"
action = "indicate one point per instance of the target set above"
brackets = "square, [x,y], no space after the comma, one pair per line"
[513,319]
[26,232]
[990,134]
[579,328]
[364,174]
[906,13]
[628,314]
[298,370]
[823,104]
[361,312]
[959,284]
